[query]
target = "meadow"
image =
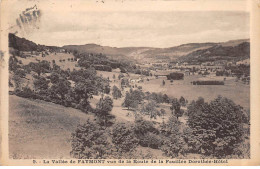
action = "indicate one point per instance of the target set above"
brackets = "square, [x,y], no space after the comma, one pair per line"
[236,91]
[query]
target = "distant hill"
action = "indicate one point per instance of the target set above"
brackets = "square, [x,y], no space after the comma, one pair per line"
[140,53]
[173,53]
[229,51]
[191,52]
[197,52]
[111,52]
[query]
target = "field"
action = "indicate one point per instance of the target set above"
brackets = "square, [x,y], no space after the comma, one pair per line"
[236,91]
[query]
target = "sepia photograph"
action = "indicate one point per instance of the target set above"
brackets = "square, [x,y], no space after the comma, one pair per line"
[97,80]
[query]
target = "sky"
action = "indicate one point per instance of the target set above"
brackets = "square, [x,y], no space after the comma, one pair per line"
[135,27]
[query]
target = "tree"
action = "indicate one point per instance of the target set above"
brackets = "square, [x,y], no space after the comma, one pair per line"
[218,126]
[17,82]
[133,98]
[150,109]
[89,141]
[20,72]
[103,108]
[163,112]
[82,92]
[163,82]
[13,63]
[116,92]
[124,82]
[182,101]
[176,108]
[166,98]
[129,101]
[120,76]
[59,92]
[54,77]
[195,105]
[137,95]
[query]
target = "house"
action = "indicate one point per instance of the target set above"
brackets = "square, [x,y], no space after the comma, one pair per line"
[186,72]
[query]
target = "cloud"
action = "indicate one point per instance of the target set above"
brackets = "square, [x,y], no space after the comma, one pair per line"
[155,29]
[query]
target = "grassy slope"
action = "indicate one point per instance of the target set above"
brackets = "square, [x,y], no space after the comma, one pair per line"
[42,129]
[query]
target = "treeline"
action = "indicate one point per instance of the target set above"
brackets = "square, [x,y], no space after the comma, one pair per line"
[22,44]
[208,82]
[175,76]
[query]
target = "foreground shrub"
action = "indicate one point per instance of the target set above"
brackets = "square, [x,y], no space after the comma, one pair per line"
[123,137]
[89,141]
[147,134]
[174,144]
[217,126]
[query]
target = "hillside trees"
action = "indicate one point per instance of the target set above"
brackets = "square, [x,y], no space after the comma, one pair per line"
[40,67]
